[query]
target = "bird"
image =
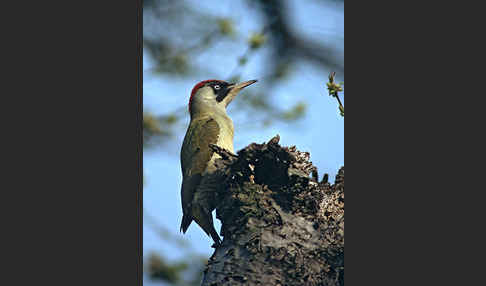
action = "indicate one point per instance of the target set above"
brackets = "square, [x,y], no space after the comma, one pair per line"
[209,124]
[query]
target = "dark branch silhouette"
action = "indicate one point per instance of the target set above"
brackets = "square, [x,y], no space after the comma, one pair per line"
[280,225]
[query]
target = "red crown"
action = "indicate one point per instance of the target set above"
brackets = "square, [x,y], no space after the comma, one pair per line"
[198,86]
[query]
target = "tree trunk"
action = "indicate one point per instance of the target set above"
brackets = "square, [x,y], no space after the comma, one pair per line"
[280,225]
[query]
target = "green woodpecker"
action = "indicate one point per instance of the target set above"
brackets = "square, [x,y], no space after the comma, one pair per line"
[210,124]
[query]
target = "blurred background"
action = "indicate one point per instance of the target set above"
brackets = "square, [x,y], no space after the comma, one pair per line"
[290,46]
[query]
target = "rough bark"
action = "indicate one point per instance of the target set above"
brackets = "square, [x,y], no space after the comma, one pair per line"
[280,225]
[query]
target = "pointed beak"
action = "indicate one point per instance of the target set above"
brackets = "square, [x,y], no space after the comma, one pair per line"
[234,89]
[239,86]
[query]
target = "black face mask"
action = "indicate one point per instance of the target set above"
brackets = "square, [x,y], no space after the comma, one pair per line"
[221,89]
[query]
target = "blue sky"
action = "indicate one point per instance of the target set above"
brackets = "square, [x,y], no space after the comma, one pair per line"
[321,132]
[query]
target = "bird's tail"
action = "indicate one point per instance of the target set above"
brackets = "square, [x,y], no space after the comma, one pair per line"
[186,222]
[215,236]
[205,220]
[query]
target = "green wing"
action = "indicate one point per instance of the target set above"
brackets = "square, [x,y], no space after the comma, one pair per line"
[195,155]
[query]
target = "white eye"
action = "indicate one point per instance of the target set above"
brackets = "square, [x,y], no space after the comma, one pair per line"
[217,87]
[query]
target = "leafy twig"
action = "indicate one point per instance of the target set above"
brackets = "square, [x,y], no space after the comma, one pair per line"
[334,89]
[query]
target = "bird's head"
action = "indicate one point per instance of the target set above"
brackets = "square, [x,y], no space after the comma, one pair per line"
[214,95]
